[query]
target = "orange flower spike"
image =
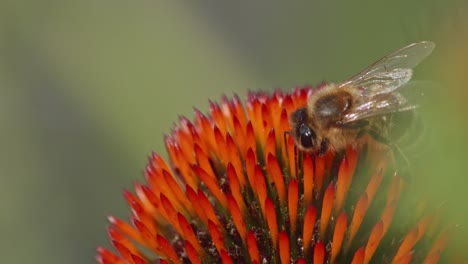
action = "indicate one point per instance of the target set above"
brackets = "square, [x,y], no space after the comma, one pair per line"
[274,171]
[117,236]
[283,128]
[124,251]
[169,252]
[374,240]
[423,225]
[439,245]
[235,187]
[406,259]
[358,216]
[260,186]
[164,180]
[212,185]
[237,217]
[327,206]
[203,162]
[252,247]
[187,126]
[171,213]
[151,177]
[216,236]
[162,261]
[267,116]
[308,179]
[106,256]
[225,258]
[407,244]
[250,163]
[183,204]
[395,188]
[255,118]
[352,156]
[150,241]
[387,215]
[206,129]
[338,235]
[297,99]
[236,160]
[145,201]
[171,149]
[374,184]
[125,228]
[137,208]
[310,219]
[288,104]
[239,135]
[201,142]
[260,125]
[218,117]
[138,260]
[188,234]
[221,147]
[270,145]
[226,107]
[293,196]
[185,143]
[341,185]
[272,221]
[238,111]
[183,166]
[319,252]
[358,257]
[193,197]
[251,142]
[319,172]
[292,156]
[275,109]
[284,248]
[158,163]
[192,254]
[160,215]
[206,206]
[153,171]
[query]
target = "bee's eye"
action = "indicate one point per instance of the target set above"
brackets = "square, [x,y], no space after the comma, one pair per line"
[306,136]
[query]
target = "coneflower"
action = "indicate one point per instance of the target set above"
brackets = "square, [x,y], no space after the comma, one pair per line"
[235,191]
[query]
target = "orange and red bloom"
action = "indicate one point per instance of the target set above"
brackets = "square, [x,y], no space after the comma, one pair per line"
[235,191]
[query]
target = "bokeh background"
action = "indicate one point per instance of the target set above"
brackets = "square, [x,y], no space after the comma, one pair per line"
[88,89]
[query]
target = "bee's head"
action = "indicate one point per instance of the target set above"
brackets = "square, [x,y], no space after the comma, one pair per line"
[303,133]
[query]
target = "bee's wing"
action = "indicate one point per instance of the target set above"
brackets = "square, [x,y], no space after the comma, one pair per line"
[407,97]
[391,71]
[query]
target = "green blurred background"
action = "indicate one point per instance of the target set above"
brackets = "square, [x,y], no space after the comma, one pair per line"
[88,88]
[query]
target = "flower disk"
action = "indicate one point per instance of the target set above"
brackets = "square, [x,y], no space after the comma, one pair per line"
[235,191]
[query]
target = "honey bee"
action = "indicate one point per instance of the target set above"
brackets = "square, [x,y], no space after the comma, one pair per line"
[377,101]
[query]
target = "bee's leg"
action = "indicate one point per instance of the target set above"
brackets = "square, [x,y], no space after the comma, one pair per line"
[397,153]
[361,133]
[296,160]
